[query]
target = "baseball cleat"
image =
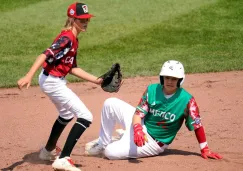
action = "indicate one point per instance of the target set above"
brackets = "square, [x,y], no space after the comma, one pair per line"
[94,150]
[64,164]
[49,155]
[90,144]
[120,132]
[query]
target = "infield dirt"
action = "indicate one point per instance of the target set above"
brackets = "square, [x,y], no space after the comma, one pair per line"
[27,116]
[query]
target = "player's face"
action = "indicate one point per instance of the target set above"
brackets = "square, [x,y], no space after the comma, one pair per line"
[170,84]
[82,24]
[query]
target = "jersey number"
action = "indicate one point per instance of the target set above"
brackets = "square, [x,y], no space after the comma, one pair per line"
[162,124]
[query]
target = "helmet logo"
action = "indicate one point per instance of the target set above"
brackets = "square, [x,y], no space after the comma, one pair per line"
[71,12]
[85,8]
[171,68]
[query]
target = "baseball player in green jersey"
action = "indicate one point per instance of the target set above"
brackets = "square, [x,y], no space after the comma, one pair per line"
[152,126]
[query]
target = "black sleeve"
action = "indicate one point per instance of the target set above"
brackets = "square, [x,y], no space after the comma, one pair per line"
[58,49]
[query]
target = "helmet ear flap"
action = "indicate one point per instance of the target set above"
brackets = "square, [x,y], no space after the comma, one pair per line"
[179,82]
[161,80]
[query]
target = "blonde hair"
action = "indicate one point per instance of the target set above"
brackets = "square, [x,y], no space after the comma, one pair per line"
[69,24]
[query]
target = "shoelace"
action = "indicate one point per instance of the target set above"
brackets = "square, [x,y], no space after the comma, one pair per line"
[58,151]
[70,161]
[97,145]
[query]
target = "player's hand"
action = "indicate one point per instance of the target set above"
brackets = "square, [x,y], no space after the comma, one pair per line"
[139,135]
[206,153]
[98,81]
[24,81]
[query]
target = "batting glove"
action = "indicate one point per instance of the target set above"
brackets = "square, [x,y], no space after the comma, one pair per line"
[206,153]
[139,135]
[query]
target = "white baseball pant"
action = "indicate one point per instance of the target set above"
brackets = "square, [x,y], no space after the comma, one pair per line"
[117,111]
[66,101]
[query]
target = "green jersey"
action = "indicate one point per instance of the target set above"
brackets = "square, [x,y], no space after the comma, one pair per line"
[163,117]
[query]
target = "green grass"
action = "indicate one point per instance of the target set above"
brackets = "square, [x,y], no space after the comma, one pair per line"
[15,4]
[205,35]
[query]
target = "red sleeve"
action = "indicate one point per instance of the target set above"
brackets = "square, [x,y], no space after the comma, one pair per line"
[193,119]
[200,134]
[142,108]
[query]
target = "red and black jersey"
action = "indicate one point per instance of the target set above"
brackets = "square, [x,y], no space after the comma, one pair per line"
[61,56]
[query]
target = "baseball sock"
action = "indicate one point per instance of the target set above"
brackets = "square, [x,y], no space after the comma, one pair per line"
[56,131]
[77,130]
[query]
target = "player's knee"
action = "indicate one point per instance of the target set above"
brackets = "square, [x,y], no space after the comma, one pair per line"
[79,110]
[111,102]
[109,153]
[87,115]
[112,153]
[64,120]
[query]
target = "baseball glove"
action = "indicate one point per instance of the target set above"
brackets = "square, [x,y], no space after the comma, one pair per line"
[112,79]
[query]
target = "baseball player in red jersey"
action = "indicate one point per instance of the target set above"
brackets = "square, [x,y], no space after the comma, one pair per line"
[152,126]
[57,61]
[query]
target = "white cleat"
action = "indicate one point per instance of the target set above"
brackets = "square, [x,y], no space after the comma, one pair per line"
[90,144]
[120,132]
[49,155]
[64,164]
[95,149]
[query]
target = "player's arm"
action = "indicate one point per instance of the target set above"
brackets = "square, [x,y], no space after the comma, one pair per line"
[58,49]
[80,73]
[26,80]
[193,122]
[141,110]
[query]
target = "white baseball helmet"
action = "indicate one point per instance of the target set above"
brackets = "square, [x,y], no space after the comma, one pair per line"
[173,68]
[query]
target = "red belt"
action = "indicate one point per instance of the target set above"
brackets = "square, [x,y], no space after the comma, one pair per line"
[158,142]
